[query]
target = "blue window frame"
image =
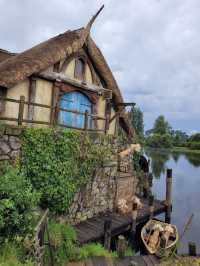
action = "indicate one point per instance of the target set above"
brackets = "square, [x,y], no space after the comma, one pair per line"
[75,101]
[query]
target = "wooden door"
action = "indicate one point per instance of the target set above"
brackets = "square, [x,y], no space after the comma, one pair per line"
[75,101]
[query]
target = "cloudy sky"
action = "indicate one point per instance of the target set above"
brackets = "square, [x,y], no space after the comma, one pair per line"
[152,47]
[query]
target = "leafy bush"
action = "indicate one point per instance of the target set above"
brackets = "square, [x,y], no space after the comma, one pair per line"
[65,246]
[59,162]
[194,145]
[94,250]
[9,256]
[17,199]
[159,141]
[195,138]
[63,241]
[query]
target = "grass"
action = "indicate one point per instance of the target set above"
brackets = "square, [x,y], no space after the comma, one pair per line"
[95,250]
[185,150]
[9,256]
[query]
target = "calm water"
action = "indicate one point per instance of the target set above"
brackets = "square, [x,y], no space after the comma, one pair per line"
[186,189]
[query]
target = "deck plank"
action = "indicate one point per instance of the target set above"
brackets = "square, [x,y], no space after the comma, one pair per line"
[93,229]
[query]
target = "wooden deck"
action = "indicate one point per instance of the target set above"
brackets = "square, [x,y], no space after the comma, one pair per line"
[93,229]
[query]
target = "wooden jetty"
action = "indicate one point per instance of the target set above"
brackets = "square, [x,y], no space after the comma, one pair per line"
[93,229]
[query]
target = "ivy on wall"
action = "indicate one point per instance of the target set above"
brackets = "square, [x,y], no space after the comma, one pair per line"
[59,162]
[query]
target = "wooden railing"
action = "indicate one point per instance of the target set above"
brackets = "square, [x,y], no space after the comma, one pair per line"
[52,121]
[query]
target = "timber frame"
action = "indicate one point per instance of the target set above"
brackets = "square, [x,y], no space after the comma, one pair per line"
[57,52]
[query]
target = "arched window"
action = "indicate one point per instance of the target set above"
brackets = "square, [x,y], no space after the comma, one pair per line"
[75,101]
[79,70]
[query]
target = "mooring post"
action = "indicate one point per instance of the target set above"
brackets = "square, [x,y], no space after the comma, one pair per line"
[150,178]
[107,233]
[192,249]
[168,196]
[134,223]
[121,246]
[151,207]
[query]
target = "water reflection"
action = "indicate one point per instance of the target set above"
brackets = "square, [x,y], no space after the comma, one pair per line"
[158,161]
[159,158]
[185,189]
[194,159]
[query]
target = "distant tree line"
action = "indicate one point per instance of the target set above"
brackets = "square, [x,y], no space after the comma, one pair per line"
[162,135]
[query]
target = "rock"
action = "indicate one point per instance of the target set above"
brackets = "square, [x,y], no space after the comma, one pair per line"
[14,154]
[14,143]
[83,218]
[5,137]
[78,215]
[13,130]
[4,147]
[4,157]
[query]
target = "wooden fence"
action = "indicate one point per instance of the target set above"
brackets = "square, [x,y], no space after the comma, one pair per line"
[52,121]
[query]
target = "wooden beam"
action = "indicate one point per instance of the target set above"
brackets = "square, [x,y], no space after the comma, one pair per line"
[126,104]
[115,115]
[59,77]
[31,97]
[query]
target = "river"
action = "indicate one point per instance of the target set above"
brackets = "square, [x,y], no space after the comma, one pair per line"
[186,189]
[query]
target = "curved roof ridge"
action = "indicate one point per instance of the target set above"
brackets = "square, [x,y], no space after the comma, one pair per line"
[21,66]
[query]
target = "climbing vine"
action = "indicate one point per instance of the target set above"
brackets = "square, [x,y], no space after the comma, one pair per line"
[59,162]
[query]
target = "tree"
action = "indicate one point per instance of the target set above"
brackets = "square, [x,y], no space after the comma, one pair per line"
[137,120]
[161,126]
[161,134]
[179,138]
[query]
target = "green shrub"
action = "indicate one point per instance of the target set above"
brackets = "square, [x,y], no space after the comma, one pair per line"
[194,145]
[159,141]
[93,250]
[195,138]
[63,241]
[59,162]
[17,200]
[65,246]
[10,256]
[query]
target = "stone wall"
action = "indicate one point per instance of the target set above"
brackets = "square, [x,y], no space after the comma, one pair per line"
[10,143]
[97,197]
[108,185]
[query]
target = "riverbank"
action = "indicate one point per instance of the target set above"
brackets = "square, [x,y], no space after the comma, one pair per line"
[185,150]
[175,149]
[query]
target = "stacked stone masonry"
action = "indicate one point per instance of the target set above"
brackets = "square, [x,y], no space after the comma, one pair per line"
[10,143]
[100,195]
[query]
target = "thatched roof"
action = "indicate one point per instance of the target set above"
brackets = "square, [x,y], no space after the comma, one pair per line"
[21,66]
[5,55]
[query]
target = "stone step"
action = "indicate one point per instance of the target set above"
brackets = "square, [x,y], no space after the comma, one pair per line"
[124,175]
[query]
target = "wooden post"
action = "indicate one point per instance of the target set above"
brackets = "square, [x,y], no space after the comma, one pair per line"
[121,246]
[50,248]
[151,207]
[21,110]
[86,121]
[107,115]
[146,191]
[107,233]
[150,178]
[192,249]
[133,225]
[168,196]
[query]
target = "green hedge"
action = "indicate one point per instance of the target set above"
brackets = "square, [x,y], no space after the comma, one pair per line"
[194,145]
[17,200]
[59,162]
[159,141]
